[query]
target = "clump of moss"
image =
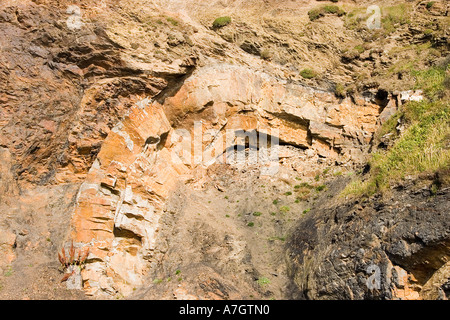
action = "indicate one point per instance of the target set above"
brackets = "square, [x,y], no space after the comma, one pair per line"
[333,9]
[340,91]
[320,188]
[428,32]
[307,73]
[317,13]
[359,48]
[263,281]
[221,22]
[284,209]
[173,21]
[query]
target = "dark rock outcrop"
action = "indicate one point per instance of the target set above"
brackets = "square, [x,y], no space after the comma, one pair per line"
[399,242]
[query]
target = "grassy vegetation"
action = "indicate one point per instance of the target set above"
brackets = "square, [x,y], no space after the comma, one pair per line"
[320,188]
[423,146]
[337,173]
[303,191]
[263,281]
[284,209]
[355,18]
[316,13]
[9,272]
[417,54]
[307,73]
[391,18]
[340,90]
[306,185]
[359,48]
[277,238]
[394,16]
[221,22]
[173,21]
[431,81]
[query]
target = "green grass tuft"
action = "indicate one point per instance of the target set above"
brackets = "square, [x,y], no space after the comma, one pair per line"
[307,73]
[320,188]
[221,22]
[263,281]
[284,209]
[395,16]
[316,13]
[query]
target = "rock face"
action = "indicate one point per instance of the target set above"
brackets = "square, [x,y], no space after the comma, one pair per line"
[120,202]
[393,247]
[8,186]
[7,245]
[64,89]
[101,119]
[241,98]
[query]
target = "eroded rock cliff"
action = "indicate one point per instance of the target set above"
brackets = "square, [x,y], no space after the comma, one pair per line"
[101,109]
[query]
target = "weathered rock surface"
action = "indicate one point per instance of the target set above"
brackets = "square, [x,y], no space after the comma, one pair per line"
[7,245]
[119,203]
[391,247]
[92,121]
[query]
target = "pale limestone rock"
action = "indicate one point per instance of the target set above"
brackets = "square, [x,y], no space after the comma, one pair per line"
[411,95]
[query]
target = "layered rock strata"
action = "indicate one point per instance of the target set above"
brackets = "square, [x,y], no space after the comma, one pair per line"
[122,198]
